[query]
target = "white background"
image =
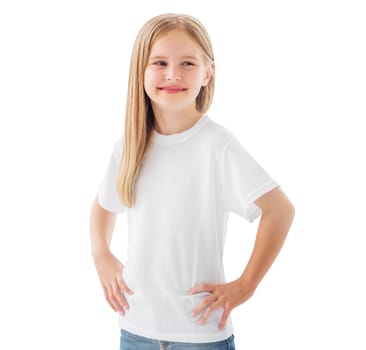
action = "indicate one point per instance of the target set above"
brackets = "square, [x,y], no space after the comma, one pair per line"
[290,85]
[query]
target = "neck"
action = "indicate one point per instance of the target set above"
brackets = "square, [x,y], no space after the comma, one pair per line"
[173,122]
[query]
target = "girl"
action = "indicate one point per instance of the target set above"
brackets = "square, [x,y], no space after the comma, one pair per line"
[177,174]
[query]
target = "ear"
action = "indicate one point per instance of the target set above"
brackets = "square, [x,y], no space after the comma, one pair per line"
[209,71]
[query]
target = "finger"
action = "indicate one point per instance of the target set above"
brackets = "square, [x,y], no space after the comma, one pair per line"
[208,311]
[224,318]
[128,290]
[113,299]
[123,285]
[106,297]
[202,288]
[207,301]
[110,300]
[119,295]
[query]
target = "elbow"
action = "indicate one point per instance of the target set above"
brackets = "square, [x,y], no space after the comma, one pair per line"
[288,215]
[288,210]
[291,210]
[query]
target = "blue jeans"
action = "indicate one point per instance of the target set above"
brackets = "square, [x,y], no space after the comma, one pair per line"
[131,341]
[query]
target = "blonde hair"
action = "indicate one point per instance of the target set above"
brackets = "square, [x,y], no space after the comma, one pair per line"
[139,117]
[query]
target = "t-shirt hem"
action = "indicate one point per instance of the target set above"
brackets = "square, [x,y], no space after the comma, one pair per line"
[181,337]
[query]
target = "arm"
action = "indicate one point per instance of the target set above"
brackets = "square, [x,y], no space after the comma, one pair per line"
[101,229]
[109,268]
[277,215]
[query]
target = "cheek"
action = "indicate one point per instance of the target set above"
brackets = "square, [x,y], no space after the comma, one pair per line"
[197,75]
[152,78]
[195,80]
[147,79]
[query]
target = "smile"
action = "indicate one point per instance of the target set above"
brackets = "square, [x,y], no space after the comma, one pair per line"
[172,89]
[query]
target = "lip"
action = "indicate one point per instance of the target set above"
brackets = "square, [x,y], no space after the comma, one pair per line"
[172,89]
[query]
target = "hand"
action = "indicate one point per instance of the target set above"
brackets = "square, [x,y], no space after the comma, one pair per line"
[110,270]
[228,296]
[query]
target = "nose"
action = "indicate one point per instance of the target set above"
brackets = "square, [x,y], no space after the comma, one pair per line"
[172,73]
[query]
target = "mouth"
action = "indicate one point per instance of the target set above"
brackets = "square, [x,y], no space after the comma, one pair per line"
[172,89]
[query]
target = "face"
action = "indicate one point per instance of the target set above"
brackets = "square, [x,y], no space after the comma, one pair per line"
[175,72]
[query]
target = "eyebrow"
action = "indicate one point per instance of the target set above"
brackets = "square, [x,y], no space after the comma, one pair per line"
[182,57]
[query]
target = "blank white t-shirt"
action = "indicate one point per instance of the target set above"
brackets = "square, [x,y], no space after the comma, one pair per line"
[188,184]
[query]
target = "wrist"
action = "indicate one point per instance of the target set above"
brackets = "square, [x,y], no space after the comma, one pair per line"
[100,251]
[247,284]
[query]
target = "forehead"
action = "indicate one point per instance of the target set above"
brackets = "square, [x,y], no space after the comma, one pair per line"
[176,43]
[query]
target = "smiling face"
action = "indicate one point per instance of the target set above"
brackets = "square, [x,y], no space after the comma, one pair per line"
[175,73]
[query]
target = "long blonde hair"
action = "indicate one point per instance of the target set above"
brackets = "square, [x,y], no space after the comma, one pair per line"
[139,118]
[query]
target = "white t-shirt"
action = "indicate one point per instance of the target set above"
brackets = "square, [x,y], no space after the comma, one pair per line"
[188,184]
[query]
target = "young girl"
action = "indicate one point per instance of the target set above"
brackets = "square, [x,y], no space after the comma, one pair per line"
[177,174]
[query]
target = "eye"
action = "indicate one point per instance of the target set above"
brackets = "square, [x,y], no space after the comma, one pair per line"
[187,63]
[160,63]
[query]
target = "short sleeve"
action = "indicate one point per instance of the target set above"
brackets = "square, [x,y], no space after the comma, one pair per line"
[243,181]
[107,192]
